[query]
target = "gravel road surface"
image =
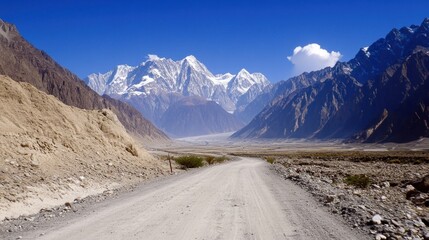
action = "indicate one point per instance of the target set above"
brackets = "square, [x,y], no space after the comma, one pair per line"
[242,199]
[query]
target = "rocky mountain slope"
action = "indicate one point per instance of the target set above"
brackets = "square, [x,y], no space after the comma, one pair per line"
[158,82]
[23,62]
[278,90]
[380,95]
[193,116]
[393,107]
[61,152]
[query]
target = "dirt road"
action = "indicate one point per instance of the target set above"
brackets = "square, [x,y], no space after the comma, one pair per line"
[241,199]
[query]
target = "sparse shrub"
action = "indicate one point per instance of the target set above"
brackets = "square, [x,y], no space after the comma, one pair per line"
[220,159]
[270,159]
[358,180]
[396,161]
[164,157]
[212,159]
[190,161]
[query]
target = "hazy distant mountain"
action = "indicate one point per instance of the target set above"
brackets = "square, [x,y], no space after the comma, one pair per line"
[22,62]
[192,116]
[156,84]
[380,95]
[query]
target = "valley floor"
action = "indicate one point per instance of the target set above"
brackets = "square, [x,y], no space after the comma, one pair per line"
[221,143]
[302,196]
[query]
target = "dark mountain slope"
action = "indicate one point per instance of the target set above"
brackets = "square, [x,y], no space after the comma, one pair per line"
[280,89]
[303,113]
[380,95]
[393,107]
[405,116]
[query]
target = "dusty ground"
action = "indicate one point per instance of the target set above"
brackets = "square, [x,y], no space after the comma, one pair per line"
[51,153]
[241,199]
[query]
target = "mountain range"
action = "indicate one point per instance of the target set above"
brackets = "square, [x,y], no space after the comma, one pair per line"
[159,83]
[24,63]
[382,94]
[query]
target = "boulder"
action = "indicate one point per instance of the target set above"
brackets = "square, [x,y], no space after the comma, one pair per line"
[376,219]
[422,185]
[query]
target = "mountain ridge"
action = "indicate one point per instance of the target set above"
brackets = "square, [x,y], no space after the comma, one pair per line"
[182,76]
[24,63]
[319,109]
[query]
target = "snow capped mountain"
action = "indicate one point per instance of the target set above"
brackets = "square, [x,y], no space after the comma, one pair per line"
[112,82]
[158,82]
[243,81]
[188,77]
[222,79]
[98,82]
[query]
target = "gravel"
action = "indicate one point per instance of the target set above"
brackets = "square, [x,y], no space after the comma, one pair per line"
[389,208]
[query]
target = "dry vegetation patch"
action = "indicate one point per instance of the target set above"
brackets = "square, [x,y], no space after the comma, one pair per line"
[195,161]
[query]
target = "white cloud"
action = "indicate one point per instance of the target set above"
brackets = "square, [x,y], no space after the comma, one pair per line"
[312,57]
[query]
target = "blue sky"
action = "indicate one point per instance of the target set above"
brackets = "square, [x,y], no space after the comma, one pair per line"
[94,36]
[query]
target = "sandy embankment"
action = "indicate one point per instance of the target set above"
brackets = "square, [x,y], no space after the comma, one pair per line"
[51,153]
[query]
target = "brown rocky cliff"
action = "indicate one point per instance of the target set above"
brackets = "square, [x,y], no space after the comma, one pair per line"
[23,62]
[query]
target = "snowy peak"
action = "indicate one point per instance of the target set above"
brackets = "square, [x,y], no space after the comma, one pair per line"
[153,57]
[192,62]
[242,82]
[243,73]
[191,58]
[254,78]
[186,77]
